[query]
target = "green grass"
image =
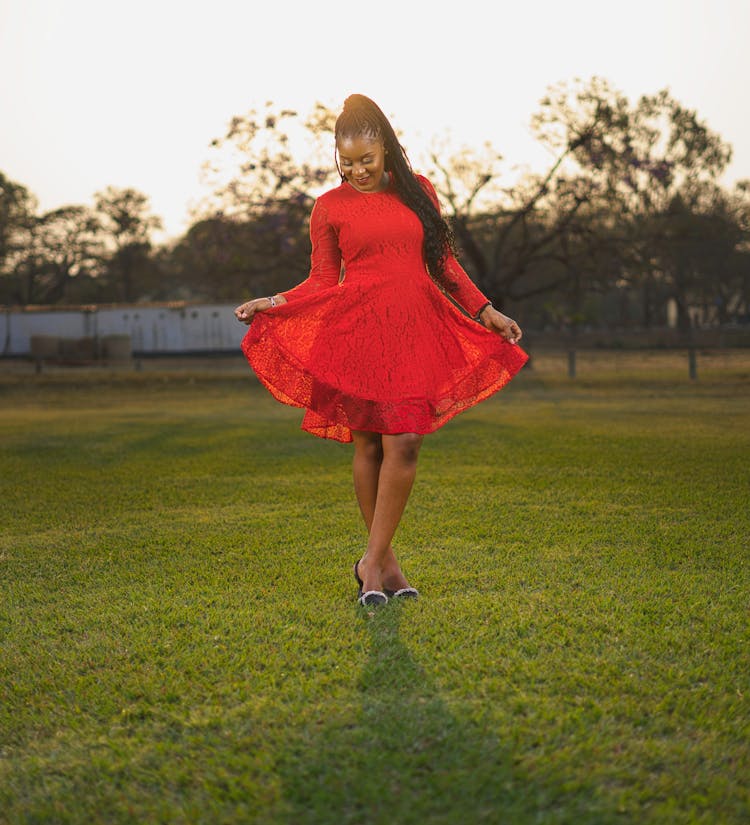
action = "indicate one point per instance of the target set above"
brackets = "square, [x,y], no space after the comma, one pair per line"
[180,641]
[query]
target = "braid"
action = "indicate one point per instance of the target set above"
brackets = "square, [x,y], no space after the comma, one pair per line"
[363,117]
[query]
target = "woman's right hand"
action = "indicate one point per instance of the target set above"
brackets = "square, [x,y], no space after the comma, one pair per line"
[245,312]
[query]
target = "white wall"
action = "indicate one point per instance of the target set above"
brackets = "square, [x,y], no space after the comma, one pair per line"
[165,328]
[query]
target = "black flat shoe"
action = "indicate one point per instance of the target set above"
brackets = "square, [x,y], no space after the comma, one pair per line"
[373,598]
[360,583]
[403,593]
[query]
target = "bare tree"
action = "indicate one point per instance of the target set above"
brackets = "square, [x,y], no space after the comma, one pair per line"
[265,174]
[601,217]
[641,160]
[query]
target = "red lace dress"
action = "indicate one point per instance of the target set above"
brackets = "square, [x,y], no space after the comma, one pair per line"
[376,346]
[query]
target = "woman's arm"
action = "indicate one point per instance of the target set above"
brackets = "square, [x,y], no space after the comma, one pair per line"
[466,293]
[325,268]
[325,258]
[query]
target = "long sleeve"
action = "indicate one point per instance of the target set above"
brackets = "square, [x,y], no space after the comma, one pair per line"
[464,291]
[384,349]
[325,259]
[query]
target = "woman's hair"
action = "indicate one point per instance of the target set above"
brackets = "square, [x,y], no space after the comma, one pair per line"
[362,117]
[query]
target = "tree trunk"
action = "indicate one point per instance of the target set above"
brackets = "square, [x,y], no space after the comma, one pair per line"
[646,298]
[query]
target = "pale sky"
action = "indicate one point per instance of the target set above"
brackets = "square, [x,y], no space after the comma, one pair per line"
[96,93]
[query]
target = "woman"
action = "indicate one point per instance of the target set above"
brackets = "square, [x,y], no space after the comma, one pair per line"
[387,339]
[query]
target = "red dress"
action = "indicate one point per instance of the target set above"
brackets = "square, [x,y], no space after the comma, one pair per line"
[379,346]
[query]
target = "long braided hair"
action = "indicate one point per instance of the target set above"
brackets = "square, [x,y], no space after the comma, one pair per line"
[363,117]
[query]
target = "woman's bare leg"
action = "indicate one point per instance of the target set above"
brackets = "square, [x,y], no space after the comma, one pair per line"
[384,471]
[368,458]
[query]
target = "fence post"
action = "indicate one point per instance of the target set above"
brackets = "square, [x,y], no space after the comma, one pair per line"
[692,364]
[571,363]
[692,359]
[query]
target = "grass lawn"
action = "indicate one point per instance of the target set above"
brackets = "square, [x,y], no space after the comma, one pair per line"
[180,640]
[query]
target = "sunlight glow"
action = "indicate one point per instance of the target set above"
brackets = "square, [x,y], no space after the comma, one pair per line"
[96,94]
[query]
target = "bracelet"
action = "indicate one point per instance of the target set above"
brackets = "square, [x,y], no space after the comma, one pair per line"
[478,316]
[272,299]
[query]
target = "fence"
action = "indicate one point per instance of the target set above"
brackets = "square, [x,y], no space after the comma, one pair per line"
[119,333]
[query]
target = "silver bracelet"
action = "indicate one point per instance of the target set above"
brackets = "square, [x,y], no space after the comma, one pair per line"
[272,299]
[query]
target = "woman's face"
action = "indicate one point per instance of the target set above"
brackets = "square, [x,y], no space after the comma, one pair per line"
[362,161]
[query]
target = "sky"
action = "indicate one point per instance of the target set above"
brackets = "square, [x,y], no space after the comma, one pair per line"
[96,93]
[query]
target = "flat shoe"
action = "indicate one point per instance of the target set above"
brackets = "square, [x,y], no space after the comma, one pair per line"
[360,583]
[373,598]
[403,593]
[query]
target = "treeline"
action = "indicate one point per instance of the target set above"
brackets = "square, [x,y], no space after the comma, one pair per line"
[629,224]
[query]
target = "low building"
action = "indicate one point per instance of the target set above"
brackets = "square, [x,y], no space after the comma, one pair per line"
[152,329]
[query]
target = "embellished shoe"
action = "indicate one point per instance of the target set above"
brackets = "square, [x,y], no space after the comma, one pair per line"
[373,598]
[357,578]
[369,598]
[403,593]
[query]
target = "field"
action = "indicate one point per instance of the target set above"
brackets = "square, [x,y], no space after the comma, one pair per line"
[181,644]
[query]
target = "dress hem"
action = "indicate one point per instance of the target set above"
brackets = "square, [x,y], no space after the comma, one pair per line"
[336,414]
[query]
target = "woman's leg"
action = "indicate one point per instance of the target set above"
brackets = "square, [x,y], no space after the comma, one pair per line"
[384,471]
[368,458]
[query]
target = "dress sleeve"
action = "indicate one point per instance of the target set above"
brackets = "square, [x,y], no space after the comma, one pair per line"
[463,290]
[325,259]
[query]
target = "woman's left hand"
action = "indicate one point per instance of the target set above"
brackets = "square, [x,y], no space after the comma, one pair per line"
[501,324]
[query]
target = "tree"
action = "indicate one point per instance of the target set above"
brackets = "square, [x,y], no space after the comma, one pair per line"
[126,224]
[640,159]
[17,208]
[515,240]
[703,251]
[63,246]
[251,234]
[602,219]
[257,165]
[583,223]
[224,258]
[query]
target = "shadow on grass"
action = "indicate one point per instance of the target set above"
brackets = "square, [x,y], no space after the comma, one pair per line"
[403,756]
